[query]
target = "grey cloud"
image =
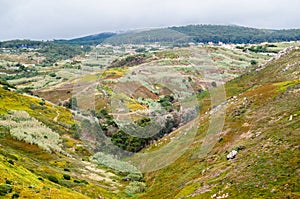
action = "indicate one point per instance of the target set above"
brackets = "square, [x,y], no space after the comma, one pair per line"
[49,19]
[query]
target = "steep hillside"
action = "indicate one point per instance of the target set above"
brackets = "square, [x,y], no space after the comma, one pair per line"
[261,125]
[42,157]
[59,149]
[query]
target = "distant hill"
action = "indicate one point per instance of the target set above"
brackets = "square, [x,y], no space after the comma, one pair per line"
[205,34]
[236,34]
[88,40]
[175,35]
[162,35]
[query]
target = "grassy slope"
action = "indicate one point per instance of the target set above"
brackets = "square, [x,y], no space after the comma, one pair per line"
[266,88]
[43,111]
[258,122]
[28,167]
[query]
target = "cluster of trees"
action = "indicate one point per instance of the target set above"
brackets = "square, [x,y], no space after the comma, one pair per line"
[236,34]
[162,35]
[191,33]
[71,103]
[55,52]
[22,72]
[130,60]
[16,44]
[106,127]
[118,135]
[51,50]
[87,40]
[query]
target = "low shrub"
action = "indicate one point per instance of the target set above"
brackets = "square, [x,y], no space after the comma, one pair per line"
[53,179]
[76,181]
[15,195]
[5,189]
[67,177]
[134,177]
[10,162]
[135,187]
[111,162]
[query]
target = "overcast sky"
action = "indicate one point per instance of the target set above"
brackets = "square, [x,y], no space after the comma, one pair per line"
[54,19]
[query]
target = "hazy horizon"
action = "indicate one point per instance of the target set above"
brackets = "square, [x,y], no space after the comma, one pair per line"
[54,19]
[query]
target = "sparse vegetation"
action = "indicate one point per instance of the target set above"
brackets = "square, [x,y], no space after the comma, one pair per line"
[25,128]
[67,177]
[53,179]
[5,189]
[135,187]
[49,147]
[112,162]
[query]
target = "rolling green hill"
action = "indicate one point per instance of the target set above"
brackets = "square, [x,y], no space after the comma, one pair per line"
[236,34]
[205,34]
[46,153]
[174,35]
[87,40]
[261,124]
[41,156]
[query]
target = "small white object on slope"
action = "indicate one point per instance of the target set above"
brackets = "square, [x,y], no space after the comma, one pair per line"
[232,154]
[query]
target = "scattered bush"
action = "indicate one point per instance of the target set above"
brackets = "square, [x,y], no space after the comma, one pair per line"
[103,127]
[75,131]
[253,62]
[134,177]
[71,103]
[76,181]
[5,189]
[111,162]
[15,195]
[239,148]
[11,156]
[128,142]
[5,87]
[53,179]
[143,122]
[214,84]
[166,102]
[67,177]
[10,162]
[104,112]
[136,187]
[66,169]
[52,75]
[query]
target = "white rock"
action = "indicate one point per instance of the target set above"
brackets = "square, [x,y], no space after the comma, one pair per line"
[257,134]
[232,154]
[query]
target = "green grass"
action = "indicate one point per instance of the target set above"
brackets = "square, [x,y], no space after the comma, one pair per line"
[268,164]
[266,167]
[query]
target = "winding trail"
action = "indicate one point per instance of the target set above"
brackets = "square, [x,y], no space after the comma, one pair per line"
[56,117]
